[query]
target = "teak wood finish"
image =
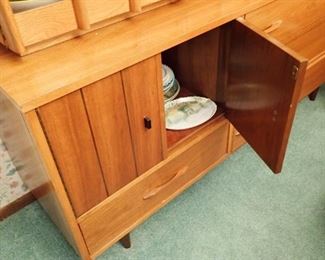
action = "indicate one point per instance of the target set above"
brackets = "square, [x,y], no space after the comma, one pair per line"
[142,87]
[37,28]
[96,55]
[261,90]
[155,188]
[108,118]
[300,31]
[99,10]
[66,127]
[78,109]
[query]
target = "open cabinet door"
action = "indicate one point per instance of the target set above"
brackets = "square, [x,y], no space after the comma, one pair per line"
[261,87]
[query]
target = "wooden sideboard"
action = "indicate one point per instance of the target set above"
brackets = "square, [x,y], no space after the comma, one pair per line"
[72,116]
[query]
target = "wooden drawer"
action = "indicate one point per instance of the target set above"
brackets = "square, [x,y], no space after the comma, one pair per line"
[99,10]
[134,203]
[301,31]
[37,25]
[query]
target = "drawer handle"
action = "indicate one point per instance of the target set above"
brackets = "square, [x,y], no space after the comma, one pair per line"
[274,26]
[151,193]
[236,133]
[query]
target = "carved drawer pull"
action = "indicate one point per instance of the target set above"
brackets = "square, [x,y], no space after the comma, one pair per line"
[274,26]
[151,193]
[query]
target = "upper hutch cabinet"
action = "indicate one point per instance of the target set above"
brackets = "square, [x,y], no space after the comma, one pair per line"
[26,27]
[23,29]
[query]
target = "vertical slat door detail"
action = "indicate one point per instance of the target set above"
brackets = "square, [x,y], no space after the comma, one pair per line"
[66,126]
[142,86]
[108,118]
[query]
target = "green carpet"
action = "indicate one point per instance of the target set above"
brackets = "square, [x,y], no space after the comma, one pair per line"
[240,210]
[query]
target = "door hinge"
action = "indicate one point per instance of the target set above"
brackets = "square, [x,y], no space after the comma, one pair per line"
[294,73]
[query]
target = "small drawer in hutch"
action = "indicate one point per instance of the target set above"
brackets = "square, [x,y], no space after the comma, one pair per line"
[99,10]
[22,29]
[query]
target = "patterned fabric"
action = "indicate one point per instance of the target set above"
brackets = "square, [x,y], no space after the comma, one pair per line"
[11,186]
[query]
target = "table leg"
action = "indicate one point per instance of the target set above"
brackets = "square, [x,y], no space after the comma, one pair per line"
[312,95]
[126,241]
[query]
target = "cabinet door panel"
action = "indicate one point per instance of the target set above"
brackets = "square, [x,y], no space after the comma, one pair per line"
[108,118]
[66,126]
[262,88]
[142,85]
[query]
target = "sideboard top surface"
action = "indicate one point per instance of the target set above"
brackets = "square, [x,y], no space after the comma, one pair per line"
[39,78]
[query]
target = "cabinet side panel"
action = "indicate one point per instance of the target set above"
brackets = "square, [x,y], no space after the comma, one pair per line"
[142,86]
[67,129]
[21,140]
[108,118]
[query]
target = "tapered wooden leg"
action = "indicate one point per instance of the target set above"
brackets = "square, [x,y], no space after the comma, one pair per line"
[126,241]
[312,95]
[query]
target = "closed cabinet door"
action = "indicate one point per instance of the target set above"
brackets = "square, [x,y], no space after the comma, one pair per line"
[65,123]
[261,89]
[89,135]
[142,86]
[108,119]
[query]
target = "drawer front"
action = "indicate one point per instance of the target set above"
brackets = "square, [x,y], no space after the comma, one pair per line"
[46,22]
[288,20]
[301,31]
[99,10]
[124,210]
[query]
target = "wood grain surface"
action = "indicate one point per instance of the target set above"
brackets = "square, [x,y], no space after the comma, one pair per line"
[165,181]
[66,126]
[262,90]
[195,63]
[142,87]
[40,24]
[106,107]
[96,55]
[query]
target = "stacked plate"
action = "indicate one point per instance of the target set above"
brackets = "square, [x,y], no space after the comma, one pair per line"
[170,84]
